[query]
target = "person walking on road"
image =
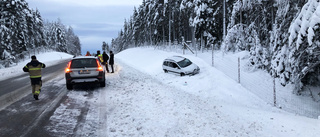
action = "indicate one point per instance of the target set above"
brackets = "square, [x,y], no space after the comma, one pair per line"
[105,58]
[111,61]
[34,68]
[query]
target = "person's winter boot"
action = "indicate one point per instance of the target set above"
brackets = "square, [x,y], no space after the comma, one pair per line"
[36,97]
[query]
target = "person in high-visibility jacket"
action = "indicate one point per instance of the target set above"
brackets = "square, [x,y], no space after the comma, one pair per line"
[99,56]
[34,68]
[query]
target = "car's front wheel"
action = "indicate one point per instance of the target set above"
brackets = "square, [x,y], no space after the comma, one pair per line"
[182,74]
[194,72]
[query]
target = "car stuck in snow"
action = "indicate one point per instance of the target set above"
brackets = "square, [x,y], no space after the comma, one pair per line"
[180,65]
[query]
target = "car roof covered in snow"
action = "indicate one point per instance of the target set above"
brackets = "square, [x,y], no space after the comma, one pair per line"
[175,58]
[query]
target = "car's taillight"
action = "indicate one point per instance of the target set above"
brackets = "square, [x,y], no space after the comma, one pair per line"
[68,67]
[99,66]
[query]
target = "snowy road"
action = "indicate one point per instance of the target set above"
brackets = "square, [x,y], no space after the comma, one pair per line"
[16,87]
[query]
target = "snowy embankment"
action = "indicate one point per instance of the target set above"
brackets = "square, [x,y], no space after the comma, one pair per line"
[49,58]
[207,104]
[141,100]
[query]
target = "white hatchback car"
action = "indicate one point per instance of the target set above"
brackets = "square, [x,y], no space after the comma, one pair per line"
[180,65]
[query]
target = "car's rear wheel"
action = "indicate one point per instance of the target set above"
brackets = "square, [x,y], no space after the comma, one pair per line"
[165,71]
[103,84]
[69,86]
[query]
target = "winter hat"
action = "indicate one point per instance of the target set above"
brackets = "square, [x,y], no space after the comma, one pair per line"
[33,57]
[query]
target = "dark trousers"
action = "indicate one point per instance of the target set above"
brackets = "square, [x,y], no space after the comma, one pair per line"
[112,70]
[106,64]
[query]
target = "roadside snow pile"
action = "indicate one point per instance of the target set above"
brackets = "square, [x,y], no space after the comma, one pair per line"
[207,104]
[49,58]
[209,83]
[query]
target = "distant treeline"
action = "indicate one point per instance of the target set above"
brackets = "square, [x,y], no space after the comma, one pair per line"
[23,30]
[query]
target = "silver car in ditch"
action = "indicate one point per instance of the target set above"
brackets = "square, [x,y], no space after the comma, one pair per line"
[180,65]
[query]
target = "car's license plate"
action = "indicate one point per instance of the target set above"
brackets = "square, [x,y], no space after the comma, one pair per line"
[84,72]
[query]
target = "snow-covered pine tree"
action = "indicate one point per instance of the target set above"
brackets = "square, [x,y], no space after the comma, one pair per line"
[22,29]
[72,42]
[186,11]
[259,56]
[287,10]
[301,59]
[13,28]
[208,13]
[235,39]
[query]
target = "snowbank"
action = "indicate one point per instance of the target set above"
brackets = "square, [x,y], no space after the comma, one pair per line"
[213,104]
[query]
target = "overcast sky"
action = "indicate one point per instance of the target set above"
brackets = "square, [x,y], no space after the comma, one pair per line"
[94,21]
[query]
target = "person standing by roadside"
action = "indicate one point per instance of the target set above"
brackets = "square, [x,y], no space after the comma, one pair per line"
[34,69]
[99,56]
[105,58]
[88,53]
[111,61]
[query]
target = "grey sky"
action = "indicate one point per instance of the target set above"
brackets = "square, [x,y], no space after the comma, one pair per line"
[94,21]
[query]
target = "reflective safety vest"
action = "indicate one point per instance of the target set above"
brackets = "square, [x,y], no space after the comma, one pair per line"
[34,71]
[100,57]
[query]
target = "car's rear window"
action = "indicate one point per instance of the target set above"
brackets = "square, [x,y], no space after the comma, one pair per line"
[81,63]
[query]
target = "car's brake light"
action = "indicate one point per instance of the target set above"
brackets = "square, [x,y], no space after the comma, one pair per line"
[68,67]
[100,69]
[99,66]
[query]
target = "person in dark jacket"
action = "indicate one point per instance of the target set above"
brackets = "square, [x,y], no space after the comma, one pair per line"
[105,58]
[111,61]
[34,69]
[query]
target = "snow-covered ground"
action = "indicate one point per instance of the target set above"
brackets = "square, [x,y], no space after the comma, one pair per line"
[207,104]
[141,100]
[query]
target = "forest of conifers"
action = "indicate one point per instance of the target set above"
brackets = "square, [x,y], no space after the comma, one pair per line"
[282,36]
[23,32]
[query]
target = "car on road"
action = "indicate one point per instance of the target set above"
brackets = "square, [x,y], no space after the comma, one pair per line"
[180,65]
[85,69]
